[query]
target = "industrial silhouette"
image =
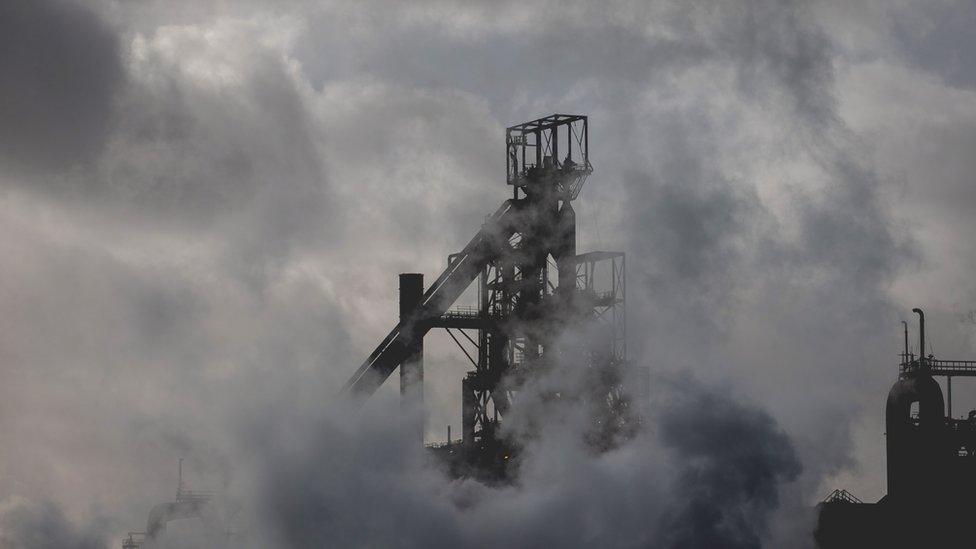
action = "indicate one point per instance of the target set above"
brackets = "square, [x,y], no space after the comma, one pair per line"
[542,307]
[187,505]
[931,466]
[532,289]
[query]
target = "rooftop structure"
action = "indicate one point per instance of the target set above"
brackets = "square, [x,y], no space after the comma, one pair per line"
[931,462]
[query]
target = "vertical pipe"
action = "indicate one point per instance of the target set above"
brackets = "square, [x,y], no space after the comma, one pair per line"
[522,135]
[565,250]
[468,410]
[507,278]
[483,306]
[614,347]
[412,368]
[623,303]
[569,140]
[511,161]
[949,391]
[448,433]
[906,341]
[554,132]
[586,141]
[921,335]
[538,149]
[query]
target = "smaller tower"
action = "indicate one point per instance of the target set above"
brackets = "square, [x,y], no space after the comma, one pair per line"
[412,368]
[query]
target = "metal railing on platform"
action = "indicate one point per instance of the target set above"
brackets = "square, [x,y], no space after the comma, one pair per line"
[941,367]
[841,496]
[462,311]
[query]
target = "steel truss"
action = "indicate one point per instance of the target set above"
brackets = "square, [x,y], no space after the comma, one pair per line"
[533,289]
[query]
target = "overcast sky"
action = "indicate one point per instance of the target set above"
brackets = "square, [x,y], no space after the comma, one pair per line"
[204,207]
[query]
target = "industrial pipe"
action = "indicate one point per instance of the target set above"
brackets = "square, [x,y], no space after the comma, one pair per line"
[921,335]
[412,367]
[905,324]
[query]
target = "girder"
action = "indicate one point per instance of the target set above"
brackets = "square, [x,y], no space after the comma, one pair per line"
[463,268]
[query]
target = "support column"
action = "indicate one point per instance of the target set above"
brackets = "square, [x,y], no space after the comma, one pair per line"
[469,408]
[949,383]
[412,368]
[564,250]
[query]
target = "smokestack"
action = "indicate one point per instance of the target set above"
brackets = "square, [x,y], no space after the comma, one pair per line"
[412,369]
[921,335]
[905,324]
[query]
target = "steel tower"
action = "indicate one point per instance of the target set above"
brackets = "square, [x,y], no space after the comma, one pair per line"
[532,288]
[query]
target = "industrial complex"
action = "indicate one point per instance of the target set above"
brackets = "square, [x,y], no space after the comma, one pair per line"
[931,464]
[532,289]
[541,306]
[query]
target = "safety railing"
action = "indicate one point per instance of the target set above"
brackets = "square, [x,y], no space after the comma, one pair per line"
[462,311]
[841,496]
[941,367]
[134,540]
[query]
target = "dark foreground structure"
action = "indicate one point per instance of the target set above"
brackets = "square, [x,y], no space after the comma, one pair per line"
[532,289]
[931,467]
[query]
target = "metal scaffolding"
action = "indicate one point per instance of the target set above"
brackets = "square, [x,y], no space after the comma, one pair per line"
[532,287]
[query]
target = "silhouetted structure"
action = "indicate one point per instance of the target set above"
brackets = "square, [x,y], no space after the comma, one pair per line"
[188,504]
[532,286]
[135,540]
[931,466]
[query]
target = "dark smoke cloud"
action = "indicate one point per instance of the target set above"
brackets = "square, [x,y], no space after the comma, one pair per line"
[62,69]
[706,472]
[341,480]
[731,462]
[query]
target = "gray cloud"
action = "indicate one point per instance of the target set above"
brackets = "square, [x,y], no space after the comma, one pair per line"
[42,525]
[61,73]
[732,461]
[237,186]
[936,38]
[706,469]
